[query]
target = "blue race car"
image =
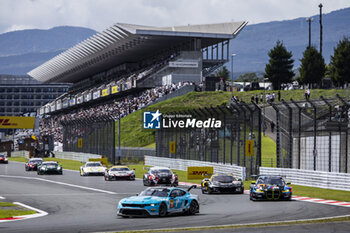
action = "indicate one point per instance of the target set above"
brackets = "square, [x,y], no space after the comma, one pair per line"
[159,201]
[270,188]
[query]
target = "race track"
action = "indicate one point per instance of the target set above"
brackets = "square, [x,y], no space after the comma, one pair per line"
[88,204]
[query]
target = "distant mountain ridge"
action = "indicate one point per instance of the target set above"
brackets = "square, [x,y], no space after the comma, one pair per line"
[254,41]
[22,51]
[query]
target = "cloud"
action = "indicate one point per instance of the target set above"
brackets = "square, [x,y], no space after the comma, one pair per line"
[98,15]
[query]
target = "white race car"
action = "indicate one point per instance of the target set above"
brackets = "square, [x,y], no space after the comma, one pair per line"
[119,172]
[92,168]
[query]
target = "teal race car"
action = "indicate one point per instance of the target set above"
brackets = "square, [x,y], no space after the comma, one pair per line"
[159,201]
[50,167]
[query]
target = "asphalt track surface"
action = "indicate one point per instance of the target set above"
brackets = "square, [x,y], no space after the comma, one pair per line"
[88,204]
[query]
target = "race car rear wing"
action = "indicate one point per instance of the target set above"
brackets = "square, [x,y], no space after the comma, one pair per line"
[193,186]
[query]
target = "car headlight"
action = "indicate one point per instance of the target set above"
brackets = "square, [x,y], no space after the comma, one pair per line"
[153,204]
[59,167]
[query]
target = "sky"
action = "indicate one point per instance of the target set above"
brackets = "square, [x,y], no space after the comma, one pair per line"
[101,14]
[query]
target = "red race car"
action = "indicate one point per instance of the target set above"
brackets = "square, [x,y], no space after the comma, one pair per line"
[32,164]
[3,158]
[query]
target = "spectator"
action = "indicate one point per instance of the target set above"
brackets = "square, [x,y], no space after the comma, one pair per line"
[279,95]
[272,125]
[261,97]
[256,99]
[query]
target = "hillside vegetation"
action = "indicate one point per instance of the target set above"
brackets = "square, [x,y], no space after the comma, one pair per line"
[133,135]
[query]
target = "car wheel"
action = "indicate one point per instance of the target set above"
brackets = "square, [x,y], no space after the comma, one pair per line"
[145,183]
[194,208]
[162,210]
[124,216]
[209,190]
[242,191]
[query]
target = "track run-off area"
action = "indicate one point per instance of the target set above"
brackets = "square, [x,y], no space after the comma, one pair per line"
[88,204]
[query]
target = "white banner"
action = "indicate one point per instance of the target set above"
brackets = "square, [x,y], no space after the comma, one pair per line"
[184,64]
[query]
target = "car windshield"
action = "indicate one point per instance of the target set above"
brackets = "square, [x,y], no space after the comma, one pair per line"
[276,181]
[35,160]
[2,156]
[93,165]
[120,169]
[155,192]
[161,171]
[50,164]
[224,179]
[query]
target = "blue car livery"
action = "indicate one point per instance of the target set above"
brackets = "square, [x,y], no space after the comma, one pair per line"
[159,201]
[270,188]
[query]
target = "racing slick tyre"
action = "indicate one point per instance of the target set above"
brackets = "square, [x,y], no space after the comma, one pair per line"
[162,210]
[209,191]
[242,191]
[146,183]
[194,208]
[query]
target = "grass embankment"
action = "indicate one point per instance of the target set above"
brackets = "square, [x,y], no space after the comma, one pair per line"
[140,169]
[8,210]
[133,135]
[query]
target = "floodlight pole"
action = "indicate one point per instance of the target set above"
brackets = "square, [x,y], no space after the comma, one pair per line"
[309,20]
[321,27]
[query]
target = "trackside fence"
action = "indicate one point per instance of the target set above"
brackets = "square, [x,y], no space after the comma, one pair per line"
[319,179]
[83,157]
[182,164]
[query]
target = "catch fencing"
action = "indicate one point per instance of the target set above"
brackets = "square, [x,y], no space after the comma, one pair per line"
[94,135]
[310,134]
[241,124]
[328,180]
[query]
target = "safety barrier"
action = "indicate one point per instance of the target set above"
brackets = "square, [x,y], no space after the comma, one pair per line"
[182,164]
[83,157]
[328,180]
[21,153]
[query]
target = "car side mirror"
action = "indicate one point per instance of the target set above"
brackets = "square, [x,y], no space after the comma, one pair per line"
[206,179]
[253,182]
[239,179]
[289,183]
[136,194]
[133,169]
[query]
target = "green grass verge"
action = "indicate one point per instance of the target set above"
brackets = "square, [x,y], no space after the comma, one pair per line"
[7,213]
[13,213]
[5,204]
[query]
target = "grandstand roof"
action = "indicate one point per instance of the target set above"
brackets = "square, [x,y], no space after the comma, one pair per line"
[126,43]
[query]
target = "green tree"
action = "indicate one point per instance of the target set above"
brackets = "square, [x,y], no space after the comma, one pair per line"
[280,67]
[339,67]
[223,73]
[313,67]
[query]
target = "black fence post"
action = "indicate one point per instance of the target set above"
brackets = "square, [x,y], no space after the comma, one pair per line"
[258,153]
[315,131]
[299,131]
[277,135]
[290,135]
[329,135]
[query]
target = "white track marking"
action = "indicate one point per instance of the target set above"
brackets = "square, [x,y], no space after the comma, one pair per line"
[60,183]
[40,213]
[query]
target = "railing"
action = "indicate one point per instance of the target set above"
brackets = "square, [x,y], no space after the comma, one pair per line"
[319,179]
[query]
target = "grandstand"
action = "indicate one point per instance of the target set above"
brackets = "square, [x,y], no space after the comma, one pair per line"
[127,67]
